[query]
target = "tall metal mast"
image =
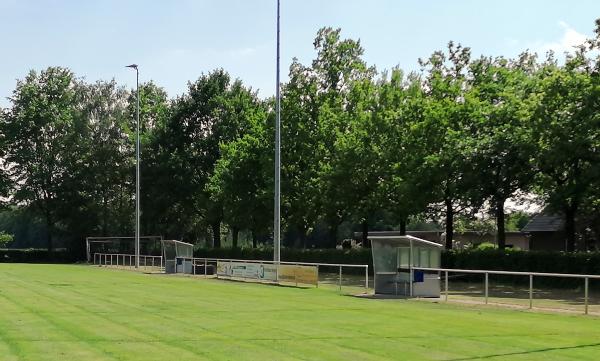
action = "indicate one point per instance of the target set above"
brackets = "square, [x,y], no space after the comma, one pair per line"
[277,220]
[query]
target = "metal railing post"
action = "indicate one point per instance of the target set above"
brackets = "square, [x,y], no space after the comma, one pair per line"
[486,287]
[530,291]
[296,275]
[586,294]
[367,279]
[446,286]
[205,268]
[317,276]
[340,278]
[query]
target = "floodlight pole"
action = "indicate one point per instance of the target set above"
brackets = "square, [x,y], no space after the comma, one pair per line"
[137,166]
[277,220]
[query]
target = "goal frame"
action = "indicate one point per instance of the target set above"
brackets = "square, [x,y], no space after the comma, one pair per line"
[110,239]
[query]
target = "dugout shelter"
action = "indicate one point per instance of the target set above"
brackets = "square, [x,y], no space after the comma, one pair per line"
[177,256]
[396,262]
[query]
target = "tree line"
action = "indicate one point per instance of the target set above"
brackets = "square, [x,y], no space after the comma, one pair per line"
[359,146]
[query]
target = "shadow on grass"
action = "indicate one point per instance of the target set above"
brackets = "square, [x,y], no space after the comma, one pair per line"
[549,349]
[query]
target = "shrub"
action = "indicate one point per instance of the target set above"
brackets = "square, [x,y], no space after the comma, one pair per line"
[5,239]
[36,256]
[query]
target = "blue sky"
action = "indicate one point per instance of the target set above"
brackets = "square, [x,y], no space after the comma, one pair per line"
[175,41]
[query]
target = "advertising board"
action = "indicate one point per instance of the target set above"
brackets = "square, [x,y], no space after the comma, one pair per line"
[257,271]
[298,274]
[268,272]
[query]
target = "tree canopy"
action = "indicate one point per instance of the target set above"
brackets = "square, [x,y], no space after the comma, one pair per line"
[362,149]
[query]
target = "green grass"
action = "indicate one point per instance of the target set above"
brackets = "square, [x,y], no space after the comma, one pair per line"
[69,312]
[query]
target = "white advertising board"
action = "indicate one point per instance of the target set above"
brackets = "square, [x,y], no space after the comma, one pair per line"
[255,271]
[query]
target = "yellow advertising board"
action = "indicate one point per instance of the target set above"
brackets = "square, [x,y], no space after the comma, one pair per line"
[298,274]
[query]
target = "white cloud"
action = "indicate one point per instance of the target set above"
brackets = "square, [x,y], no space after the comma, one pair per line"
[570,39]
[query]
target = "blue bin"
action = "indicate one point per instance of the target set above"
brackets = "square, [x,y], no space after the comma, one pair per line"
[418,276]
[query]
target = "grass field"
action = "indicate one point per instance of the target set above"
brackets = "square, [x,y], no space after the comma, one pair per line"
[70,312]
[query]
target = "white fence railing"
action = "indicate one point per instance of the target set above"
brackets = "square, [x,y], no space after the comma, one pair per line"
[205,262]
[128,260]
[485,273]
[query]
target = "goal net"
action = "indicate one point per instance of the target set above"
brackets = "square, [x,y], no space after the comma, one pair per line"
[149,245]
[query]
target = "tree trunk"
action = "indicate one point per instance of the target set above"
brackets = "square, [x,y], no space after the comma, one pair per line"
[449,223]
[333,235]
[216,230]
[303,239]
[365,232]
[403,227]
[500,233]
[570,227]
[235,232]
[300,237]
[254,240]
[104,216]
[49,227]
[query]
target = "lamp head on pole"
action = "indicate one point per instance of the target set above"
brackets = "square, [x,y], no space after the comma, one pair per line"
[133,66]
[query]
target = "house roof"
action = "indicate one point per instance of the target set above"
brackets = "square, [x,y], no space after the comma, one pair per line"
[544,223]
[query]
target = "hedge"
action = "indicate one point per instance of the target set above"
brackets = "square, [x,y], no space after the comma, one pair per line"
[488,259]
[351,256]
[524,261]
[37,256]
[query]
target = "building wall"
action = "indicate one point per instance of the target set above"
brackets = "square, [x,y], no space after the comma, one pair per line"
[513,239]
[547,241]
